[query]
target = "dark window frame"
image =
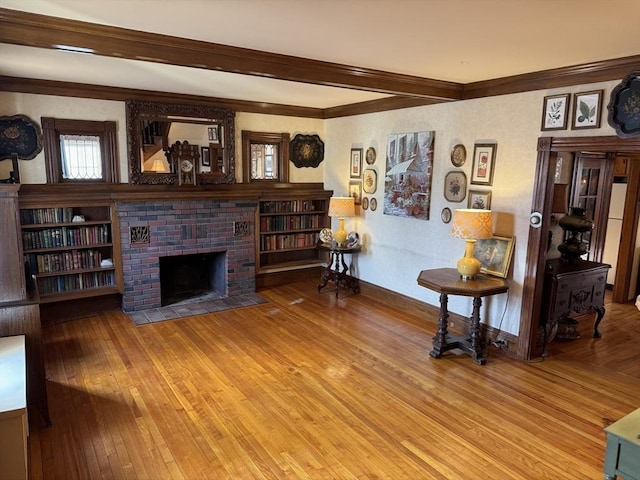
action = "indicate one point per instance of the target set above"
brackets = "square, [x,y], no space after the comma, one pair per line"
[279,139]
[52,128]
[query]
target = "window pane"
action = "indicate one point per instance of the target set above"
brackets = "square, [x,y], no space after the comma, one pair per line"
[264,161]
[81,157]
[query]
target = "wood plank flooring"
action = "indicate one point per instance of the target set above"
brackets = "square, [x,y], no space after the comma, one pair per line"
[309,387]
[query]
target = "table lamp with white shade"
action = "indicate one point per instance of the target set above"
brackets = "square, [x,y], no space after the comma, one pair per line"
[341,207]
[471,224]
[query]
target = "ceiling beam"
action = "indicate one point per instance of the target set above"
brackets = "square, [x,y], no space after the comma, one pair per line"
[34,30]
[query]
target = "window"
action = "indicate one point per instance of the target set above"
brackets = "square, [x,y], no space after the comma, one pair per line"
[80,151]
[265,156]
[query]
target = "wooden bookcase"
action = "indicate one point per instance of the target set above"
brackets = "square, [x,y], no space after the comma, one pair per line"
[287,227]
[72,259]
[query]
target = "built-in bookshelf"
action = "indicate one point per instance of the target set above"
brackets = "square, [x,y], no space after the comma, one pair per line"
[288,230]
[72,250]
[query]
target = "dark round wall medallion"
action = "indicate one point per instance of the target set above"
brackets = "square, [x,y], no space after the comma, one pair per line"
[306,150]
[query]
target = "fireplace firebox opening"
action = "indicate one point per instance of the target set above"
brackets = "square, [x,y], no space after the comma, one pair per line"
[192,278]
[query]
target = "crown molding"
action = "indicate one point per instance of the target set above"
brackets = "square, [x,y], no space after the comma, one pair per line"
[34,30]
[41,31]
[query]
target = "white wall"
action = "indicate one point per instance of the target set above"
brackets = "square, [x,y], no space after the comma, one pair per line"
[395,249]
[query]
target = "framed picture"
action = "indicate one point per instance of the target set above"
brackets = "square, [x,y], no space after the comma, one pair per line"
[369,181]
[455,186]
[214,133]
[587,109]
[484,157]
[495,254]
[355,191]
[356,162]
[555,112]
[479,199]
[205,157]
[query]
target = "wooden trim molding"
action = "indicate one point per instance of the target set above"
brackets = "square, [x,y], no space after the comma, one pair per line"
[548,148]
[34,30]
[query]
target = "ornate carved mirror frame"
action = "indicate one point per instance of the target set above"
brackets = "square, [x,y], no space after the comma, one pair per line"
[222,168]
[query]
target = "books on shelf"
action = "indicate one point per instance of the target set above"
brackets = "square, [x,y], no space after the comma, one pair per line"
[291,222]
[63,261]
[66,237]
[283,206]
[288,241]
[79,281]
[33,216]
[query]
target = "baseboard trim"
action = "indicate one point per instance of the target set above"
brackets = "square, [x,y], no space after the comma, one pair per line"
[458,324]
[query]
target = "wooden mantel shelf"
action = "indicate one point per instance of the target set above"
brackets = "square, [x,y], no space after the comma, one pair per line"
[124,192]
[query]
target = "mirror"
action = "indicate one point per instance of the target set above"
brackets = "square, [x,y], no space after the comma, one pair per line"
[152,128]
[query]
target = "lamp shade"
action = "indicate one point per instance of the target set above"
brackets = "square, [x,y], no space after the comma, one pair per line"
[472,223]
[342,207]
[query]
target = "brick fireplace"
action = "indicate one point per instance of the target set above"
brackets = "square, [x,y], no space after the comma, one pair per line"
[151,230]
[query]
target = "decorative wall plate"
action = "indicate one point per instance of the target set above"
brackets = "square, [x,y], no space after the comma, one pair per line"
[369,181]
[446,215]
[365,203]
[21,135]
[306,150]
[373,204]
[352,239]
[326,236]
[458,155]
[624,106]
[371,155]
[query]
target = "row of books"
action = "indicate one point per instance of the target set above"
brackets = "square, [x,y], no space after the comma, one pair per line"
[80,281]
[46,215]
[296,240]
[291,222]
[65,237]
[284,206]
[64,261]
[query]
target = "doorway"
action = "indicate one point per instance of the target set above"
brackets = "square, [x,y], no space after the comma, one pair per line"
[548,150]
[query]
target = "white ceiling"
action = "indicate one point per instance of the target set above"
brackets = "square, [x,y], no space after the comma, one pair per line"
[453,40]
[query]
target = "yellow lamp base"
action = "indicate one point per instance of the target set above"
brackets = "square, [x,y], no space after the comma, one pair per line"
[340,235]
[468,266]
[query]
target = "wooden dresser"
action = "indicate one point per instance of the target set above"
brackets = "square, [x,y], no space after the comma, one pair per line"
[572,287]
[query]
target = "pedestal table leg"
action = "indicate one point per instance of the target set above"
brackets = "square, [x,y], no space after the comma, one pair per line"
[441,336]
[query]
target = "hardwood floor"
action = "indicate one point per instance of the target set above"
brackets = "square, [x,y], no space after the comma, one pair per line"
[309,387]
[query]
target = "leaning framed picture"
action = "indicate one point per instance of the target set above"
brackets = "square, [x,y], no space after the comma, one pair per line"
[484,158]
[455,186]
[355,191]
[587,109]
[356,163]
[495,254]
[555,111]
[479,199]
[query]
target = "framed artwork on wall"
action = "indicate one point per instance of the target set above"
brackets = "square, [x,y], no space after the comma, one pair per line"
[455,186]
[555,111]
[355,191]
[356,163]
[495,254]
[479,199]
[484,157]
[587,109]
[214,133]
[205,157]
